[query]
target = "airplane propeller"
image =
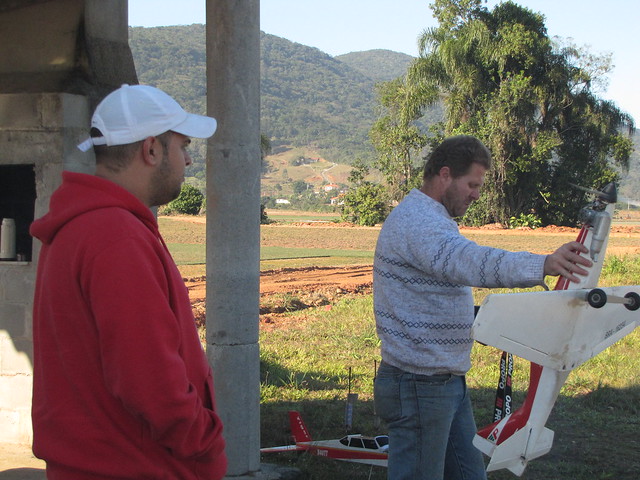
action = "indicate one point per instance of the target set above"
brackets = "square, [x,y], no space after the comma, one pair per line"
[606,194]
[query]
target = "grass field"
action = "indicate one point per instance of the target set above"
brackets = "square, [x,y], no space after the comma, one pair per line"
[305,366]
[295,216]
[288,244]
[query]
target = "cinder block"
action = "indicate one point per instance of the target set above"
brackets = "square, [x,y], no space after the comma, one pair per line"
[75,112]
[15,392]
[43,111]
[12,318]
[48,179]
[19,282]
[19,111]
[63,110]
[15,426]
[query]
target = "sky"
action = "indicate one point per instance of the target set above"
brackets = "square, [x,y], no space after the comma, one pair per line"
[342,26]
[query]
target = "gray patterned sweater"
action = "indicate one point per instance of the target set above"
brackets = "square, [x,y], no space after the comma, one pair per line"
[423,272]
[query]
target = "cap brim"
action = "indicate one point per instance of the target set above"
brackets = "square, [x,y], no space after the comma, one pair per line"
[197,126]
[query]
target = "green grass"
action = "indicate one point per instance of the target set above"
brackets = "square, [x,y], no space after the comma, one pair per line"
[191,258]
[306,367]
[321,245]
[283,216]
[288,253]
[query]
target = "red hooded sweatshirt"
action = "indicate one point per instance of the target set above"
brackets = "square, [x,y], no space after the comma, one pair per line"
[122,387]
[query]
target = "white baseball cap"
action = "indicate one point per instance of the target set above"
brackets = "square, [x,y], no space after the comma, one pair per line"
[134,112]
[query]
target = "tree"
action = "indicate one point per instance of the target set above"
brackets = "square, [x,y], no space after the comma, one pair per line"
[265,149]
[397,141]
[264,219]
[366,203]
[300,186]
[502,79]
[188,202]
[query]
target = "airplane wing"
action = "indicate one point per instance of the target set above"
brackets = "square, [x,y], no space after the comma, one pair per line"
[284,448]
[557,329]
[352,448]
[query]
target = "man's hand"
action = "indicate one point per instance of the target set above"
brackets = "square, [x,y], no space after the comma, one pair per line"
[566,261]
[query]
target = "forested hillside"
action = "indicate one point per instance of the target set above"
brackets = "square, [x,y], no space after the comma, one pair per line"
[378,65]
[308,98]
[311,98]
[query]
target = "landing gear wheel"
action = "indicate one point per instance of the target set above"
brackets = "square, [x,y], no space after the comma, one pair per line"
[597,298]
[634,304]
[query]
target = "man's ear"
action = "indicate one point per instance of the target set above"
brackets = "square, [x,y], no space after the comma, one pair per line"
[445,173]
[151,153]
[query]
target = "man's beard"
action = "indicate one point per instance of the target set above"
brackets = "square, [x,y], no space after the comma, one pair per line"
[164,187]
[453,203]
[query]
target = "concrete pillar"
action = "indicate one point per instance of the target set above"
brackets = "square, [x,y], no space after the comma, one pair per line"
[233,225]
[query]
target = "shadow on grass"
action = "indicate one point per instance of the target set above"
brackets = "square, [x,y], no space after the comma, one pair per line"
[274,374]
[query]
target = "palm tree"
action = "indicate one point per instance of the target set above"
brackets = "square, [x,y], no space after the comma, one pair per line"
[502,79]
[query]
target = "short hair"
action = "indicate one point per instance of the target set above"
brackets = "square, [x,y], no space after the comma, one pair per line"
[457,153]
[117,157]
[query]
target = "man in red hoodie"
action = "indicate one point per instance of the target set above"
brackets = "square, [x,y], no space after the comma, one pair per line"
[122,387]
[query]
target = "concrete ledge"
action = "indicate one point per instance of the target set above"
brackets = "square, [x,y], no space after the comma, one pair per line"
[268,471]
[18,463]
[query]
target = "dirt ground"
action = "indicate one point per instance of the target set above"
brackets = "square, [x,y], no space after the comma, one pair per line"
[348,279]
[288,289]
[357,278]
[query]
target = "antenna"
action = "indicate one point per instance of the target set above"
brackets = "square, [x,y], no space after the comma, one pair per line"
[348,411]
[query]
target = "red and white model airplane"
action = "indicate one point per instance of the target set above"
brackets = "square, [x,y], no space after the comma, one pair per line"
[350,448]
[556,331]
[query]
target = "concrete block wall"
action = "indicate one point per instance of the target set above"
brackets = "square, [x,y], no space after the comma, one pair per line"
[41,130]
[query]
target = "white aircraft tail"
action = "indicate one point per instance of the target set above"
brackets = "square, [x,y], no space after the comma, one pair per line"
[517,450]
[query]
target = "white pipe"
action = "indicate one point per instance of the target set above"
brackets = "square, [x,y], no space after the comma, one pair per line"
[8,239]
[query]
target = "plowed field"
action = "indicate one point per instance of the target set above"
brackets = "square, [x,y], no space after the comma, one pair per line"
[358,278]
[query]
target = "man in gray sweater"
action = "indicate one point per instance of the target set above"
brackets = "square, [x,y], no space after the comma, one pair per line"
[423,273]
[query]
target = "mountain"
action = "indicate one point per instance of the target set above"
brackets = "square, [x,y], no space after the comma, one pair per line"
[387,65]
[309,99]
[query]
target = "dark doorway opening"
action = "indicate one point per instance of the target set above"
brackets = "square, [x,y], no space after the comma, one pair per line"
[17,201]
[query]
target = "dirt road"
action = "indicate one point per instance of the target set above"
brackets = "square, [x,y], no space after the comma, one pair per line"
[348,279]
[358,278]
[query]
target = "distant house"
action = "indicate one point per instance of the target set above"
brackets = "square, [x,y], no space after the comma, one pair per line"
[282,201]
[329,187]
[339,200]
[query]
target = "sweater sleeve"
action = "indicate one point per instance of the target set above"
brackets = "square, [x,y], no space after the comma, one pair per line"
[142,348]
[434,245]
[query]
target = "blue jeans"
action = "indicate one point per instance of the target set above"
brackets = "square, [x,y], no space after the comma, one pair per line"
[431,426]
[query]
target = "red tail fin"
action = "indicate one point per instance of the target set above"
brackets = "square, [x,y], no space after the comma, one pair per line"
[298,428]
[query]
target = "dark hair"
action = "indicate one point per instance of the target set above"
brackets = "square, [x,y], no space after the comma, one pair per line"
[117,157]
[457,153]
